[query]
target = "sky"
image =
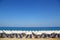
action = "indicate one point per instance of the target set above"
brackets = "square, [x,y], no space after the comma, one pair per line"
[30,13]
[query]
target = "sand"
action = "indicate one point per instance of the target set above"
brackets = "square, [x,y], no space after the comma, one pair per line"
[29,39]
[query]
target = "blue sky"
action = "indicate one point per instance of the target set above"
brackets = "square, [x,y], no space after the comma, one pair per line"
[30,13]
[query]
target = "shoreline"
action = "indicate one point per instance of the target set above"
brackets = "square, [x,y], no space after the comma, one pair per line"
[28,32]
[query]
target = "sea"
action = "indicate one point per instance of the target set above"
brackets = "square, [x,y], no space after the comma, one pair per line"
[30,28]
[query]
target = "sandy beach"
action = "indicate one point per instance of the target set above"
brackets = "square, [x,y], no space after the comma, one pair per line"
[30,39]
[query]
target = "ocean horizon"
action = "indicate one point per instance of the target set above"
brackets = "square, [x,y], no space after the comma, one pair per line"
[30,28]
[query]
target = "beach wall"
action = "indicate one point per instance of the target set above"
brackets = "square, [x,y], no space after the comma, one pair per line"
[29,32]
[29,35]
